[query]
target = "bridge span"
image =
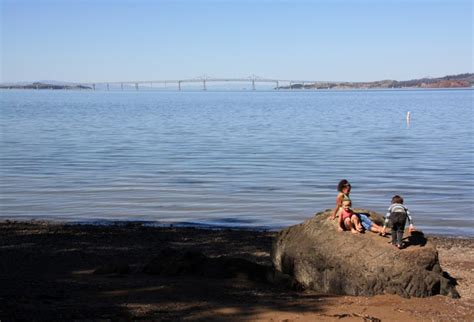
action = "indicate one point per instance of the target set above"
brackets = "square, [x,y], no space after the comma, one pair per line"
[204,81]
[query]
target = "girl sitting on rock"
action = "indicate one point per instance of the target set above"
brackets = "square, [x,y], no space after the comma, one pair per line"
[344,188]
[351,222]
[348,220]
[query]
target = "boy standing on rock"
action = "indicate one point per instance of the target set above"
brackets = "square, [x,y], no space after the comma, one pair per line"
[397,214]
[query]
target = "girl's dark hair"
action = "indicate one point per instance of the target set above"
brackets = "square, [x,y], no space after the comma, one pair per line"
[397,199]
[342,184]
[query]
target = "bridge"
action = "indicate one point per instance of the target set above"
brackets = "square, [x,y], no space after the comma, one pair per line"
[204,81]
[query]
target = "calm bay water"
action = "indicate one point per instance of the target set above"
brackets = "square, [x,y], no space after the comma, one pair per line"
[248,159]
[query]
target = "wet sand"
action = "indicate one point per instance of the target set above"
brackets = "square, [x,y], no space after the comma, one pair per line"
[83,272]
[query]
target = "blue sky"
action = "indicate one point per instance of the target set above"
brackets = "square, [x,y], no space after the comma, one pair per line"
[315,40]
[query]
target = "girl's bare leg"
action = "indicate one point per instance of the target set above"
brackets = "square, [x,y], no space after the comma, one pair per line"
[349,226]
[356,222]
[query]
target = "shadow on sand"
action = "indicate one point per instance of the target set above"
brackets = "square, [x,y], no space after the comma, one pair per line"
[96,272]
[416,238]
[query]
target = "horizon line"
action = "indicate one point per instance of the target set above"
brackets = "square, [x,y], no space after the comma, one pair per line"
[223,79]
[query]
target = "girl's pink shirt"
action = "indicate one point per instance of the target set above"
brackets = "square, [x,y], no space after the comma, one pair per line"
[346,214]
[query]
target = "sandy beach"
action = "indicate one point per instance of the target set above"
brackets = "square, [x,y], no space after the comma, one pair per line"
[82,272]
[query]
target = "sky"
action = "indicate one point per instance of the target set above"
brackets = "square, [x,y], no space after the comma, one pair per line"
[126,40]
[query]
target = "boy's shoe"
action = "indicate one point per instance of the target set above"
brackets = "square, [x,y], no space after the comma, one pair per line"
[396,245]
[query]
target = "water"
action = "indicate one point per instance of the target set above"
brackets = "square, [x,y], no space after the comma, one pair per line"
[245,159]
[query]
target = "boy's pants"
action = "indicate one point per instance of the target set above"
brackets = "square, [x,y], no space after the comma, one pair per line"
[398,221]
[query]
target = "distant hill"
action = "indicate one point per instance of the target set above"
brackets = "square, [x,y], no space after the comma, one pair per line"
[40,85]
[450,81]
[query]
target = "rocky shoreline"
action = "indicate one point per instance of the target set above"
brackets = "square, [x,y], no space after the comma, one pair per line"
[121,272]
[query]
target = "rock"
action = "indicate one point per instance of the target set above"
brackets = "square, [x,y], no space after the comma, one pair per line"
[325,260]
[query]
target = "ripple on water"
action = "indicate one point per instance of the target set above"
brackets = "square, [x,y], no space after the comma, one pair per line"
[241,159]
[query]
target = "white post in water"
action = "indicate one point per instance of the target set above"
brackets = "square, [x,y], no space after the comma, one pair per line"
[408,118]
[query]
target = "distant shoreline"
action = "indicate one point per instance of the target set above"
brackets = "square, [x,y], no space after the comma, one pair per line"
[451,81]
[211,90]
[465,80]
[43,86]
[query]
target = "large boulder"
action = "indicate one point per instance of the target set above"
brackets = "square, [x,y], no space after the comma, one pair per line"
[325,260]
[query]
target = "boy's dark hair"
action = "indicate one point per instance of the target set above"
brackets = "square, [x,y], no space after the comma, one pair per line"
[397,199]
[342,184]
